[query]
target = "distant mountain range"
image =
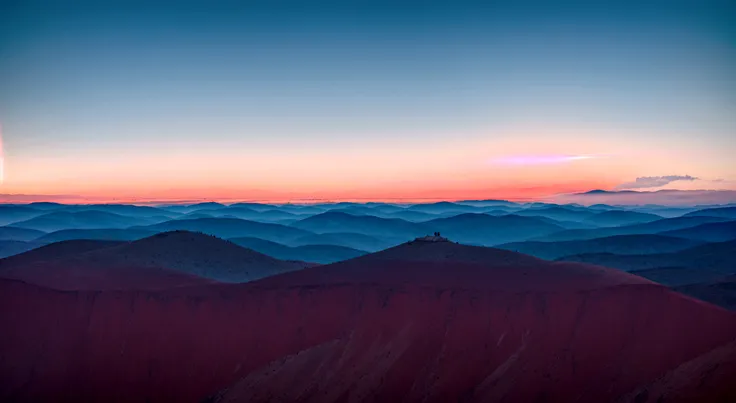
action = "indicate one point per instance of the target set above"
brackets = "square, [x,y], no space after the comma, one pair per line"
[606,234]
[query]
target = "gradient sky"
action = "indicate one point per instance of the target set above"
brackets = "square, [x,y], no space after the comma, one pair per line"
[365,100]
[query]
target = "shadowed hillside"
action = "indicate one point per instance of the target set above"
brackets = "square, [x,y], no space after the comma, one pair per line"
[620,244]
[725,212]
[424,321]
[349,240]
[654,227]
[109,234]
[713,232]
[307,253]
[183,252]
[699,264]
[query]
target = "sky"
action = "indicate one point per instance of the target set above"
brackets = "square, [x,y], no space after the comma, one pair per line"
[364,100]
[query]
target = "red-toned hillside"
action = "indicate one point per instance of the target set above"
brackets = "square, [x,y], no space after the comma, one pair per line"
[430,322]
[175,258]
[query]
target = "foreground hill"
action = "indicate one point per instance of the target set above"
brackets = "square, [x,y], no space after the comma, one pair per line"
[429,322]
[484,229]
[189,253]
[231,228]
[307,253]
[619,244]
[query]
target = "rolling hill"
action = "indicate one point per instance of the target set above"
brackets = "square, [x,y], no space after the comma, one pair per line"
[14,213]
[307,253]
[725,212]
[10,248]
[703,263]
[720,292]
[246,213]
[88,219]
[189,253]
[331,222]
[19,234]
[232,228]
[712,232]
[654,227]
[484,229]
[444,208]
[349,240]
[618,244]
[424,321]
[558,213]
[617,218]
[55,252]
[110,234]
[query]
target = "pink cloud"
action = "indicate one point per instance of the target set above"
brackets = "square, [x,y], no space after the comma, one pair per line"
[542,159]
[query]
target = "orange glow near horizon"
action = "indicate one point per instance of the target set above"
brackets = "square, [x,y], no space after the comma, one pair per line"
[514,164]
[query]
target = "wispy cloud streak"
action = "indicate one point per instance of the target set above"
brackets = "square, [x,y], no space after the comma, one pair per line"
[542,159]
[646,182]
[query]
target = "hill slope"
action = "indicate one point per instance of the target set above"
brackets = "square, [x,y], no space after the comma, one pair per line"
[374,226]
[726,212]
[712,232]
[109,234]
[699,264]
[431,322]
[308,253]
[619,244]
[484,229]
[183,252]
[349,240]
[232,228]
[654,227]
[616,218]
[88,219]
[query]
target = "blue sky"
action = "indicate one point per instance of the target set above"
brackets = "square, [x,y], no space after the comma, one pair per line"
[282,78]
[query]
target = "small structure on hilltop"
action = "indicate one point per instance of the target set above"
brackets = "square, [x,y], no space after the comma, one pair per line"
[436,237]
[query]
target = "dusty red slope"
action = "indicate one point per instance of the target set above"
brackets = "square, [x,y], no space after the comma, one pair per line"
[49,266]
[175,258]
[422,322]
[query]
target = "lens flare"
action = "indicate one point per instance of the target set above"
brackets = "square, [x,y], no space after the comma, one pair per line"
[2,157]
